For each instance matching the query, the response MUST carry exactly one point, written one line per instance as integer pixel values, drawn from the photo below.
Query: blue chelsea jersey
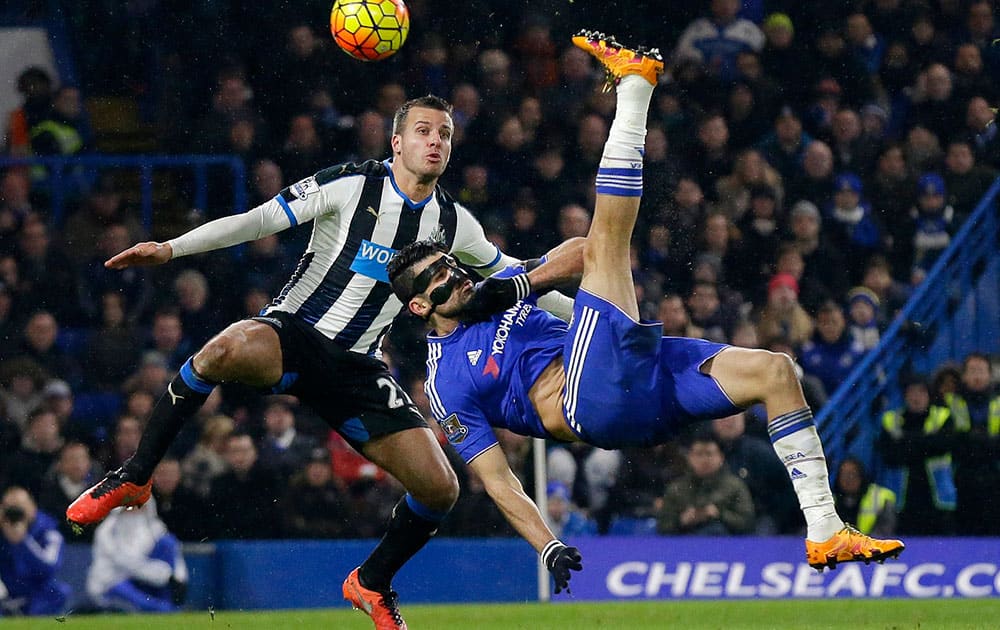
(478, 376)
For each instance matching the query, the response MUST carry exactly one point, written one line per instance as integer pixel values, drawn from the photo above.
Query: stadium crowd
(805, 164)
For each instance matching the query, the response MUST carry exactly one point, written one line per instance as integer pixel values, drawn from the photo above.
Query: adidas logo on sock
(798, 474)
(474, 356)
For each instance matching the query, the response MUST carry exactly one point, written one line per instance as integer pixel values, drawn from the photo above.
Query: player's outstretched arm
(141, 255)
(563, 265)
(521, 512)
(267, 218)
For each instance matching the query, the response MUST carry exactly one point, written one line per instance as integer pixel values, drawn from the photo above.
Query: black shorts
(354, 393)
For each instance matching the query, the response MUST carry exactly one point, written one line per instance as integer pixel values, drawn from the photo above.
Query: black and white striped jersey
(361, 219)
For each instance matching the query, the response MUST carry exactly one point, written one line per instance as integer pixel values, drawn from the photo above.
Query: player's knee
(778, 370)
(442, 492)
(217, 358)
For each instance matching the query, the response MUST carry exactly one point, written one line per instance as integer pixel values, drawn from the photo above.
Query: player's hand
(495, 295)
(141, 255)
(560, 560)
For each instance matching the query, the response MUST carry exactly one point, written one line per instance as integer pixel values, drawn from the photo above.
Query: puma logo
(373, 212)
(173, 397)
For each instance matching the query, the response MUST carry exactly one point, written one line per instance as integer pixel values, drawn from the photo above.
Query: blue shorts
(627, 385)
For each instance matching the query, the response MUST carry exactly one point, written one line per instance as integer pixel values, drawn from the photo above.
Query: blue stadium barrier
(59, 181)
(233, 575)
(954, 311)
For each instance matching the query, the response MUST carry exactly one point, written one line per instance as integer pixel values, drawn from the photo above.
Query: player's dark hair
(430, 102)
(400, 268)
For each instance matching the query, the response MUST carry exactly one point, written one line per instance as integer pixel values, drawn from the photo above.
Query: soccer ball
(369, 30)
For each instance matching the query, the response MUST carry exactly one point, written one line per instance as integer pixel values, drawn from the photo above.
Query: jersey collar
(409, 203)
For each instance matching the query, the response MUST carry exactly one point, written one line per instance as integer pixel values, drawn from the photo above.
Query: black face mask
(441, 293)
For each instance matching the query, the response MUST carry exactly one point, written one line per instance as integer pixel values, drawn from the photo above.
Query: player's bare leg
(752, 376)
(607, 269)
(415, 458)
(246, 352)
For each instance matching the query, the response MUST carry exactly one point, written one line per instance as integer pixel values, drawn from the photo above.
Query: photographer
(30, 552)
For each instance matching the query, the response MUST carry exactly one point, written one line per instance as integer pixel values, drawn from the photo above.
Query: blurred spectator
(833, 351)
(35, 85)
(891, 294)
(304, 64)
(785, 145)
(30, 555)
(47, 278)
(132, 285)
(812, 292)
(782, 55)
(935, 107)
(242, 498)
(675, 318)
(815, 181)
(752, 460)
(315, 504)
(852, 150)
(824, 265)
(864, 43)
(564, 518)
(710, 157)
(39, 450)
(975, 408)
(851, 225)
(970, 78)
(923, 149)
(85, 232)
(124, 441)
(574, 220)
(21, 388)
(891, 188)
(863, 316)
(708, 500)
(283, 449)
(180, 509)
(205, 462)
(984, 131)
(39, 345)
(965, 180)
(915, 444)
(138, 565)
(932, 223)
(372, 141)
(981, 29)
(167, 336)
(73, 473)
(15, 207)
(707, 313)
(575, 84)
(199, 316)
(760, 239)
(64, 131)
(749, 170)
(862, 502)
(57, 397)
(112, 349)
(715, 41)
(834, 60)
(151, 376)
(782, 315)
(232, 100)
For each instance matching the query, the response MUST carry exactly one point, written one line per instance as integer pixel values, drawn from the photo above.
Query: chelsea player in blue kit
(607, 379)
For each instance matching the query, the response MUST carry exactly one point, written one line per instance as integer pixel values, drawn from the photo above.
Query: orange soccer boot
(383, 608)
(850, 545)
(115, 490)
(619, 60)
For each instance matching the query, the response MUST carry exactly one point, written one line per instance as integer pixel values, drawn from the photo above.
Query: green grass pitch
(884, 614)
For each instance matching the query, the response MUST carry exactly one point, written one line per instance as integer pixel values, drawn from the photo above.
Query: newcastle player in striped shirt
(319, 338)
